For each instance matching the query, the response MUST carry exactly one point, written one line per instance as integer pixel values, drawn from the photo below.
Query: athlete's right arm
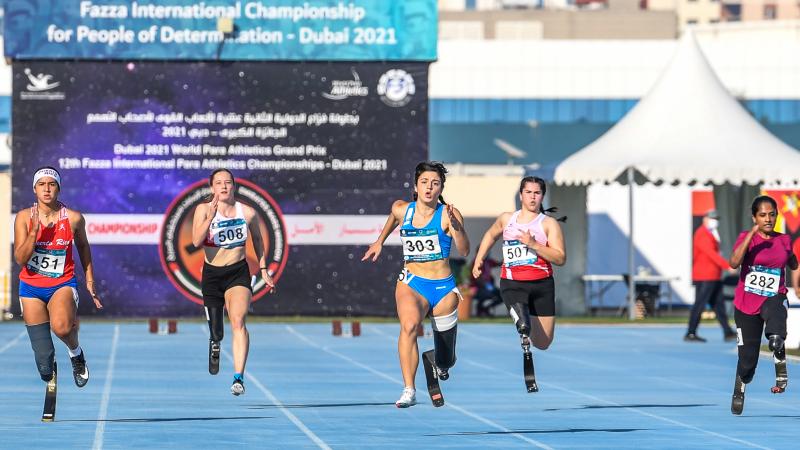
(489, 238)
(203, 215)
(374, 250)
(24, 239)
(740, 250)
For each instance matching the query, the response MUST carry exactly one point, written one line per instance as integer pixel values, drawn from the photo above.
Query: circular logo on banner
(183, 262)
(396, 87)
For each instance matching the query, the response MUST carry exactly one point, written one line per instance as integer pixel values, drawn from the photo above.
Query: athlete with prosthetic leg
(43, 245)
(221, 226)
(532, 242)
(760, 298)
(426, 286)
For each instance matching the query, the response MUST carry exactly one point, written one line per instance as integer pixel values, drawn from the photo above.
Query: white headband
(46, 172)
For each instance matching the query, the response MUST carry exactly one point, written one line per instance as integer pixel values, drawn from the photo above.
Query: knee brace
(522, 318)
(43, 350)
(216, 326)
(444, 339)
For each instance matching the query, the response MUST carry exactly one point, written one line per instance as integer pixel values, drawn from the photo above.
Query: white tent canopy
(687, 129)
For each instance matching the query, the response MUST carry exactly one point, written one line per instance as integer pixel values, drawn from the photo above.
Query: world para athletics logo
(183, 262)
(396, 87)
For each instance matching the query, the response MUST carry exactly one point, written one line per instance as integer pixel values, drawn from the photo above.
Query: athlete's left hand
(93, 292)
(528, 240)
(268, 279)
(450, 208)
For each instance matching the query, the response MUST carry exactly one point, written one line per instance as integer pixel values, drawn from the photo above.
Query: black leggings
(771, 319)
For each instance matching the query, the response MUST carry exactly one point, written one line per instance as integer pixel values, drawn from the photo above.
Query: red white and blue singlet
(51, 263)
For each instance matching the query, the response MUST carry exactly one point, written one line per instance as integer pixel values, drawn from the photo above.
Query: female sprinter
(221, 227)
(48, 295)
(426, 286)
(760, 298)
(532, 242)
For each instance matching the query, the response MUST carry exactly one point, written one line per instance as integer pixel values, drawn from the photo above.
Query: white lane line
(101, 416)
(297, 422)
(720, 391)
(631, 409)
(13, 342)
(396, 381)
(549, 355)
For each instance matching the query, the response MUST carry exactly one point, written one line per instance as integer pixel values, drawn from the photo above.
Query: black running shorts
(216, 280)
(539, 295)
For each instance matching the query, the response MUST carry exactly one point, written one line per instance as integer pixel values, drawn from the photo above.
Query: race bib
(764, 281)
(515, 253)
(49, 263)
(421, 245)
(229, 233)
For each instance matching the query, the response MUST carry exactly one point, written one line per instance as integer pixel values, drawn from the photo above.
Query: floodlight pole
(631, 262)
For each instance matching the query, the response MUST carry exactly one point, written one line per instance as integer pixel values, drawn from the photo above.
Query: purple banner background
(319, 280)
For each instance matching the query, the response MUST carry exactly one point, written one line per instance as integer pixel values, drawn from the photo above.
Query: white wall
(482, 196)
(753, 62)
(662, 234)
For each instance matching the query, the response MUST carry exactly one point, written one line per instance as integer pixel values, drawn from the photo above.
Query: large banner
(329, 30)
(320, 150)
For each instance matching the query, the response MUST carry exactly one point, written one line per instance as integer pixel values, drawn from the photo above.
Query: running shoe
(79, 370)
(237, 388)
(408, 398)
(691, 337)
(442, 374)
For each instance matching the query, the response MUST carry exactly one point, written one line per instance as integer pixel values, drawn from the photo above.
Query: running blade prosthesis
(781, 377)
(776, 344)
(527, 365)
(433, 382)
(49, 413)
(213, 357)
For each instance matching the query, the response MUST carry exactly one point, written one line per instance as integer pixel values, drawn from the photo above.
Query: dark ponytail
(543, 187)
(430, 166)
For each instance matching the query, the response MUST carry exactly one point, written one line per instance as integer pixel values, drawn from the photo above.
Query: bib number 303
(420, 245)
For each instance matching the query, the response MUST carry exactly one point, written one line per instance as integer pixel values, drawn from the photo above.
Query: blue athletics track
(601, 387)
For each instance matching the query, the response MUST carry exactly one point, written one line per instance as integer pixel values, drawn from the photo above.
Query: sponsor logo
(40, 87)
(396, 87)
(59, 242)
(183, 262)
(343, 89)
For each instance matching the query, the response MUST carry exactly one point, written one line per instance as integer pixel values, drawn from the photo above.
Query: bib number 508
(230, 235)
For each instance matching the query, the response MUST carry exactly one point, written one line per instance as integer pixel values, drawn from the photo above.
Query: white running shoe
(409, 398)
(237, 388)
